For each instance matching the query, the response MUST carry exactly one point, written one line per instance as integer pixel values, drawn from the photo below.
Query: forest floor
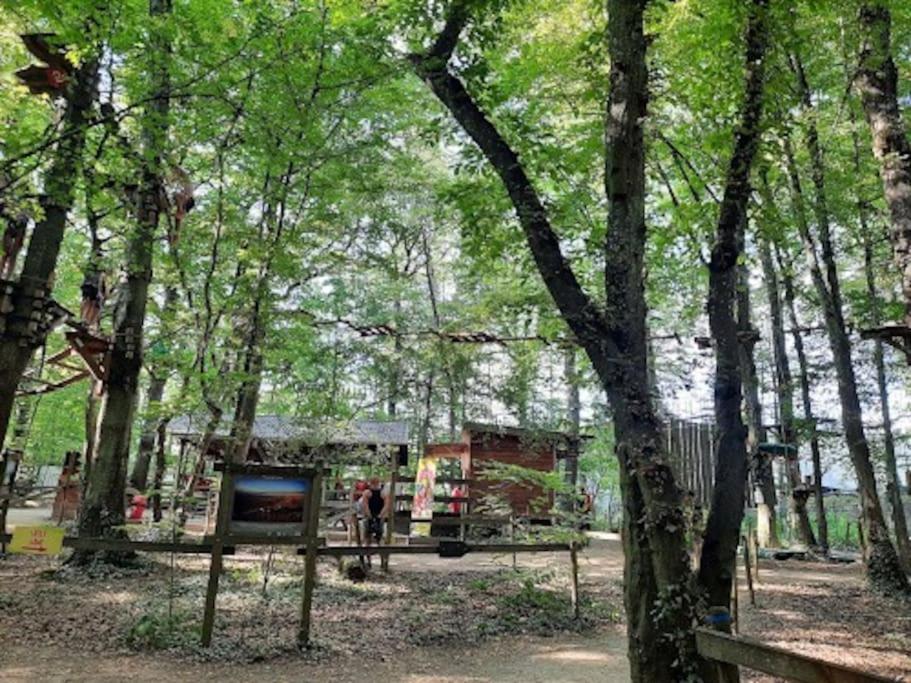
(455, 621)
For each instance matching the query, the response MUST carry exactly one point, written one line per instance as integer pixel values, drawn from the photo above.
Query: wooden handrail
(753, 654)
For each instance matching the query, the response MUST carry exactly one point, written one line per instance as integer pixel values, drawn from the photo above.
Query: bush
(158, 630)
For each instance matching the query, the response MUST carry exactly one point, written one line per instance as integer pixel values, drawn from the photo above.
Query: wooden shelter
(280, 439)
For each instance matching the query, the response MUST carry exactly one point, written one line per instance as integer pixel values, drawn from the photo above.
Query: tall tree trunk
(17, 340)
(438, 324)
(876, 80)
(103, 507)
(574, 419)
(573, 408)
(160, 467)
(658, 601)
(760, 463)
(822, 525)
(784, 384)
(139, 477)
(893, 483)
(248, 393)
(883, 567)
(722, 534)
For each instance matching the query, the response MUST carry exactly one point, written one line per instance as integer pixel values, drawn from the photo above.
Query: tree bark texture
(20, 336)
(876, 81)
(139, 476)
(722, 534)
(657, 593)
(883, 568)
(103, 506)
(893, 483)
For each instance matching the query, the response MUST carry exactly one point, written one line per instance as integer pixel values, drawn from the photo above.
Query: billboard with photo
(270, 505)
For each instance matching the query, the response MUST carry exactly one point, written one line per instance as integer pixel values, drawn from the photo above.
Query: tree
(102, 511)
(35, 283)
(876, 80)
(657, 572)
(722, 534)
(883, 568)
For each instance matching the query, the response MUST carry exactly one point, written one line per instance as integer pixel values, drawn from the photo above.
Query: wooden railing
(752, 654)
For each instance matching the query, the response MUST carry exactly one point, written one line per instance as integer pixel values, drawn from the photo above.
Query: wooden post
(303, 633)
(225, 496)
(574, 559)
(512, 536)
(735, 603)
(390, 516)
(754, 538)
(748, 569)
(719, 619)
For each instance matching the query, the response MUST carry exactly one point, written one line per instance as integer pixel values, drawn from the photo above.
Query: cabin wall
(510, 449)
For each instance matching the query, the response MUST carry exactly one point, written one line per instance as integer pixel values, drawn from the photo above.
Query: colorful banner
(422, 507)
(37, 540)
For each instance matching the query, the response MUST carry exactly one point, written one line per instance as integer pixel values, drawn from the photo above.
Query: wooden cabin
(482, 445)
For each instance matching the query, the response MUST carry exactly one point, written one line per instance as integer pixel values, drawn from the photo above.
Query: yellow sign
(37, 540)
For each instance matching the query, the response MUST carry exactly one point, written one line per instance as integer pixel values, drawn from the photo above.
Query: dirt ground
(455, 621)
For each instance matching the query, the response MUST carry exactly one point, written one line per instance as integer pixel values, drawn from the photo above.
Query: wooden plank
(433, 549)
(409, 479)
(125, 544)
(752, 654)
(469, 520)
(268, 470)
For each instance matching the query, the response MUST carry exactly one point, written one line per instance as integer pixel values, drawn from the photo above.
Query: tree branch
(577, 308)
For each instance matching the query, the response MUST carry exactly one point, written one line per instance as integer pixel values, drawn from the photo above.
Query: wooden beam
(91, 362)
(434, 549)
(60, 355)
(125, 544)
(752, 654)
(52, 386)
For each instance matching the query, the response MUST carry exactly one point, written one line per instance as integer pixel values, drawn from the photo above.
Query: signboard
(422, 506)
(270, 504)
(37, 540)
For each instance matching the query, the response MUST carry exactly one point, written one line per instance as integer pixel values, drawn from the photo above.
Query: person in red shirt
(456, 505)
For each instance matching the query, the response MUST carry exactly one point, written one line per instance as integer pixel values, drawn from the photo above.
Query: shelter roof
(281, 428)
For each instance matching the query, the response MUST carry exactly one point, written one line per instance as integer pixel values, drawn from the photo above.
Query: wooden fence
(791, 666)
(691, 448)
